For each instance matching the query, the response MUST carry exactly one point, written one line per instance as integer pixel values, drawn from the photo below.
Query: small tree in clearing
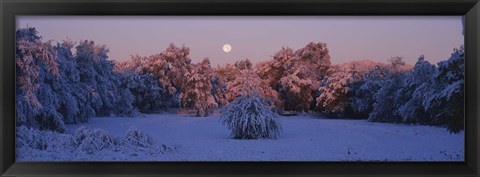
(249, 116)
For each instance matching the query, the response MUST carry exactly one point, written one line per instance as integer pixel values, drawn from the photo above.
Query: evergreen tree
(446, 102)
(105, 95)
(386, 99)
(384, 105)
(67, 85)
(416, 84)
(364, 97)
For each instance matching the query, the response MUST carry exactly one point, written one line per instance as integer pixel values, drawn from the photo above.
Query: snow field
(304, 138)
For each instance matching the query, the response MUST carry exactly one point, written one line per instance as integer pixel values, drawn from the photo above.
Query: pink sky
(257, 38)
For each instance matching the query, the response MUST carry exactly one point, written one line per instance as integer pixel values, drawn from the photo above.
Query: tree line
(69, 83)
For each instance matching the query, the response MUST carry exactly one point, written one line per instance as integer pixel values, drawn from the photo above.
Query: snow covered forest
(62, 87)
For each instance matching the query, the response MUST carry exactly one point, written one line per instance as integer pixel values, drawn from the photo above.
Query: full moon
(227, 48)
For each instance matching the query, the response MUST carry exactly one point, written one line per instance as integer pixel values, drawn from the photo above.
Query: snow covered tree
(269, 79)
(268, 73)
(363, 98)
(334, 91)
(218, 90)
(249, 116)
(58, 86)
(416, 84)
(296, 91)
(234, 76)
(283, 60)
(158, 66)
(289, 84)
(169, 67)
(178, 64)
(226, 73)
(150, 96)
(354, 72)
(315, 59)
(68, 87)
(197, 93)
(384, 105)
(356, 80)
(105, 95)
(36, 70)
(88, 75)
(446, 101)
(386, 99)
(222, 76)
(301, 74)
(244, 82)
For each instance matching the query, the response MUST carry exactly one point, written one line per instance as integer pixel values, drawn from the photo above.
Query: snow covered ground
(304, 138)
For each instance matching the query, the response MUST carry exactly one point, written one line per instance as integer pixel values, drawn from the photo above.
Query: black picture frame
(10, 8)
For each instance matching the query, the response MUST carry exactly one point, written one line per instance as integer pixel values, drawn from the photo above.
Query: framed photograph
(239, 88)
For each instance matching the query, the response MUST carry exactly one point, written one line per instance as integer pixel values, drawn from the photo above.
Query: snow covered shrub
(85, 144)
(91, 141)
(30, 139)
(136, 137)
(250, 117)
